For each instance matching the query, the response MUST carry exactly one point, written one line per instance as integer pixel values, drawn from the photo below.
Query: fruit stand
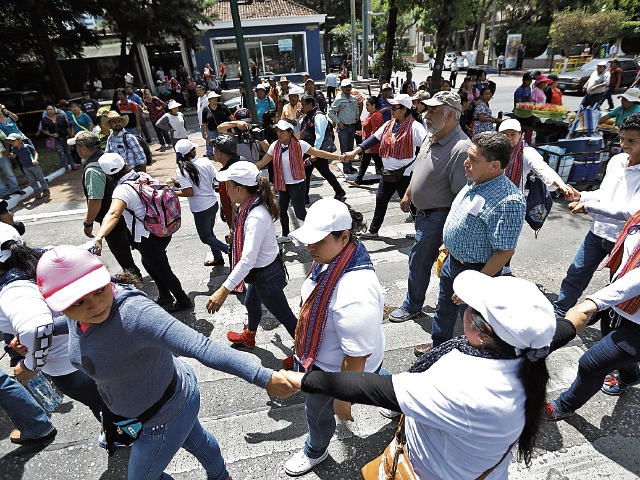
(547, 120)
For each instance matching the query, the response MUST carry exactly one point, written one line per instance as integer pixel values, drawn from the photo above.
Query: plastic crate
(585, 171)
(581, 147)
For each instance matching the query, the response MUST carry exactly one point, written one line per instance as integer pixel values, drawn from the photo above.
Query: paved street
(258, 433)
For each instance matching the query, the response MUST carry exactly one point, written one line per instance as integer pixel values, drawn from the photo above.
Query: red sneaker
(247, 338)
(288, 362)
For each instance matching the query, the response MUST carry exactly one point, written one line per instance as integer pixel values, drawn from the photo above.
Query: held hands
(98, 241)
(217, 299)
(22, 373)
(343, 410)
(572, 195)
(280, 386)
(581, 313)
(576, 207)
(457, 300)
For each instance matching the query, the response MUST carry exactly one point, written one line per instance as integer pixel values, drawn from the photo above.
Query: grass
(49, 163)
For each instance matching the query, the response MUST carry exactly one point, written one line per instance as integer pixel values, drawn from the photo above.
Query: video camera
(254, 134)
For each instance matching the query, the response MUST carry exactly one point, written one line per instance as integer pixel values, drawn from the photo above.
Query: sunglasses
(397, 107)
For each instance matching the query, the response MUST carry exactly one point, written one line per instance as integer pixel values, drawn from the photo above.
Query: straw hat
(105, 122)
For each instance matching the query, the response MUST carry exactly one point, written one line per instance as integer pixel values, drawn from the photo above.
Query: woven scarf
(314, 311)
(296, 163)
(461, 344)
(397, 145)
(514, 168)
(238, 233)
(614, 261)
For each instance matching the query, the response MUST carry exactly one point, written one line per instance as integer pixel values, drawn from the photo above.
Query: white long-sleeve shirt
(260, 246)
(532, 161)
(619, 191)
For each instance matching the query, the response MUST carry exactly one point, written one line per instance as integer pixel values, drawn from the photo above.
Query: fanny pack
(394, 175)
(125, 431)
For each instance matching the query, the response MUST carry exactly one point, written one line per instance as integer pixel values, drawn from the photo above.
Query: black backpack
(539, 203)
(143, 143)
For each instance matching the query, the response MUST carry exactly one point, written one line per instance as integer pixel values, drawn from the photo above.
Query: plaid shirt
(132, 152)
(496, 226)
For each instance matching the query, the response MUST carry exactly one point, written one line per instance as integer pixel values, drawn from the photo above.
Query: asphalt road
(258, 433)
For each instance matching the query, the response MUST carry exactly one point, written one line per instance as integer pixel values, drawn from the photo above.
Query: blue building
(281, 37)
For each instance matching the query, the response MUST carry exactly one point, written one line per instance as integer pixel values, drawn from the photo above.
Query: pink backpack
(161, 204)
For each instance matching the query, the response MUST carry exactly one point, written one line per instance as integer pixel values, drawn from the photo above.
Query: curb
(15, 199)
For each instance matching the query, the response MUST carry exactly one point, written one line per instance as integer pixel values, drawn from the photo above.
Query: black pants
(452, 79)
(331, 94)
(118, 241)
(322, 165)
(383, 196)
(364, 164)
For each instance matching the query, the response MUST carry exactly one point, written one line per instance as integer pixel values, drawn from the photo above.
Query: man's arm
(93, 207)
(497, 261)
(619, 78)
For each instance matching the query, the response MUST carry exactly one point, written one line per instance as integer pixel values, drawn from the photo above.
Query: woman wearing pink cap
(113, 327)
(538, 94)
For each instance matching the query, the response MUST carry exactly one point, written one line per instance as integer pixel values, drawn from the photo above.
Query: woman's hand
(55, 135)
(22, 373)
(573, 195)
(343, 410)
(17, 346)
(98, 241)
(280, 386)
(581, 313)
(217, 299)
(576, 207)
(294, 378)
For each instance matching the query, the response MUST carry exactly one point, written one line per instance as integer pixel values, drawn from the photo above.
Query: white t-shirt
(461, 427)
(286, 167)
(354, 321)
(260, 246)
(418, 134)
(23, 312)
(130, 196)
(620, 185)
(204, 196)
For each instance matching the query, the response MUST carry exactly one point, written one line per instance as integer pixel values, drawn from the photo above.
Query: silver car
(576, 79)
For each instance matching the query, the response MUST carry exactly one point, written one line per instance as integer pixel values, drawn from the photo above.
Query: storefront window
(274, 54)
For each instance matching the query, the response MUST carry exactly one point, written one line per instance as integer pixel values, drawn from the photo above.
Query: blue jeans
(156, 446)
(423, 254)
(321, 421)
(269, 290)
(212, 134)
(24, 412)
(153, 253)
(591, 252)
(294, 193)
(34, 176)
(384, 193)
(205, 221)
(592, 100)
(79, 386)
(444, 320)
(64, 152)
(5, 166)
(164, 137)
(346, 138)
(620, 350)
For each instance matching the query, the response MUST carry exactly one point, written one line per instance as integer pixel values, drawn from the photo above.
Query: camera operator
(240, 127)
(316, 130)
(225, 148)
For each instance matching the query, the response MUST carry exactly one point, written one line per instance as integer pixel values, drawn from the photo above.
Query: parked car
(448, 60)
(27, 105)
(576, 79)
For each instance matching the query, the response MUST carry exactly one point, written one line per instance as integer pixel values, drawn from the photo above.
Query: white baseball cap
(111, 163)
(402, 99)
(173, 104)
(284, 125)
(323, 217)
(243, 172)
(510, 124)
(8, 232)
(516, 309)
(346, 82)
(184, 146)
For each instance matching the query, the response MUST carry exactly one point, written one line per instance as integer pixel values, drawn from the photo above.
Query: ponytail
(185, 164)
(267, 197)
(357, 225)
(22, 257)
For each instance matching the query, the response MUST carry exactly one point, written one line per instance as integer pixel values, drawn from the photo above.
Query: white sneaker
(386, 413)
(284, 239)
(300, 464)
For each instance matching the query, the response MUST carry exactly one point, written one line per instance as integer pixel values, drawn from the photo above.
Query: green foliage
(342, 35)
(399, 64)
(340, 9)
(578, 26)
(535, 38)
(431, 51)
(630, 29)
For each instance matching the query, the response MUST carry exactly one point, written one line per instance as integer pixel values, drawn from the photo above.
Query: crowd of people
(460, 172)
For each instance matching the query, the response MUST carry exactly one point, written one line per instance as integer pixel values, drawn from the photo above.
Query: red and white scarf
(397, 145)
(296, 162)
(614, 261)
(514, 168)
(238, 233)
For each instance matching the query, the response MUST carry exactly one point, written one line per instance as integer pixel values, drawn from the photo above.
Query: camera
(255, 134)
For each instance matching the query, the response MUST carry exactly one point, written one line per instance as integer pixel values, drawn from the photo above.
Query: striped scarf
(614, 261)
(514, 168)
(314, 311)
(238, 233)
(295, 161)
(397, 145)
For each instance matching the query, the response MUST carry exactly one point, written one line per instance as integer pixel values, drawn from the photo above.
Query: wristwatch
(87, 224)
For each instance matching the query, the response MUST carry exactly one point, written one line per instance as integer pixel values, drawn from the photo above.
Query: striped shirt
(484, 218)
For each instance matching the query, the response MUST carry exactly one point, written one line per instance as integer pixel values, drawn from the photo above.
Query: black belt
(151, 412)
(429, 210)
(475, 266)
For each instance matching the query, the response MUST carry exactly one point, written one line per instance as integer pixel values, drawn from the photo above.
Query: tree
(342, 35)
(45, 31)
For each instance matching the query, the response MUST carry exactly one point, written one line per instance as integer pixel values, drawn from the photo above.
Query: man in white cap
(630, 104)
(213, 115)
(437, 178)
(344, 115)
(596, 86)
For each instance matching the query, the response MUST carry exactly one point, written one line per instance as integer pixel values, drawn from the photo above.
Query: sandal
(353, 183)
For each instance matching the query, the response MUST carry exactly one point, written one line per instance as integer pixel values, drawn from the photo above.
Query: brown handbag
(394, 463)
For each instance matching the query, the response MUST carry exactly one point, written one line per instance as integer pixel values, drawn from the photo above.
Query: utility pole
(354, 41)
(242, 54)
(365, 38)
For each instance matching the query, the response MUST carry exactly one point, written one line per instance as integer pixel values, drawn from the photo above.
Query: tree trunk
(123, 63)
(392, 25)
(48, 53)
(443, 25)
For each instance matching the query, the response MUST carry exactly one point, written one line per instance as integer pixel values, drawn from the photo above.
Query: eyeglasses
(633, 230)
(397, 107)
